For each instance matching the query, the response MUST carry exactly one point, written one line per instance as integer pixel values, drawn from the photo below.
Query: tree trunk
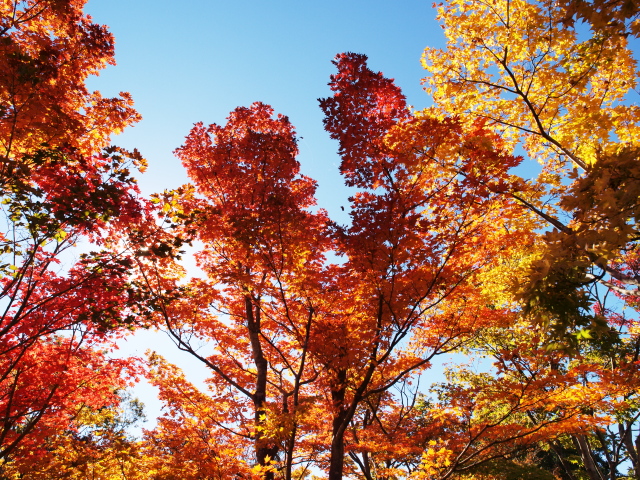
(583, 446)
(632, 448)
(557, 449)
(291, 441)
(336, 462)
(337, 459)
(364, 464)
(264, 451)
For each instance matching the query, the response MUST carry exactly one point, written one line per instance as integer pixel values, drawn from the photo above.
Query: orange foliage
(54, 320)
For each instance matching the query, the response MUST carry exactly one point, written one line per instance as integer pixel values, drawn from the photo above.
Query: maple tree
(97, 447)
(564, 99)
(55, 321)
(293, 341)
(257, 306)
(420, 232)
(316, 334)
(567, 408)
(559, 90)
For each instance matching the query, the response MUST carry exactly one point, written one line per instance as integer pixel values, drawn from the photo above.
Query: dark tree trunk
(336, 462)
(566, 465)
(264, 451)
(592, 469)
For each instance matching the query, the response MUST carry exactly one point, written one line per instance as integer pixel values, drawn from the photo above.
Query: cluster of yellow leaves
(95, 446)
(516, 64)
(561, 93)
(435, 460)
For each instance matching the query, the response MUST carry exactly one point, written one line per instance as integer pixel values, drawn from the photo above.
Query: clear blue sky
(196, 60)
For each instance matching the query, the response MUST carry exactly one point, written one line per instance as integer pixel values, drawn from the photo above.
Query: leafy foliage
(315, 363)
(60, 183)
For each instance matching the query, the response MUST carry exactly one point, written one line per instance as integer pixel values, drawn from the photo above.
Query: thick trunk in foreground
(633, 448)
(336, 462)
(264, 451)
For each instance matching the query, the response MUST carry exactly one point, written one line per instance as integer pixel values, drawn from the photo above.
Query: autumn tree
(525, 70)
(195, 437)
(420, 232)
(565, 407)
(554, 78)
(256, 308)
(296, 343)
(98, 444)
(60, 183)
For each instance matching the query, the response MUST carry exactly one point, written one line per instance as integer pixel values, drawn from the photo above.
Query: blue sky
(197, 60)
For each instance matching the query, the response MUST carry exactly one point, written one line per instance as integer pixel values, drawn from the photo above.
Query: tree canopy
(316, 334)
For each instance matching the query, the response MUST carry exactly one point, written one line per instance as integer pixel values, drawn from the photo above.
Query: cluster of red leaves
(57, 188)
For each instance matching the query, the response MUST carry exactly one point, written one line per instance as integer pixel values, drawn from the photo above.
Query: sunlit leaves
(60, 183)
(516, 64)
